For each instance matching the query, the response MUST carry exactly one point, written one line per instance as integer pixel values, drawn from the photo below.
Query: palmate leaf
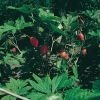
(42, 85)
(18, 86)
(59, 82)
(37, 87)
(37, 78)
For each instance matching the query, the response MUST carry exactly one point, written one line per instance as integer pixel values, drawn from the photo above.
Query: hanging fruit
(81, 37)
(43, 49)
(84, 51)
(13, 50)
(64, 54)
(34, 41)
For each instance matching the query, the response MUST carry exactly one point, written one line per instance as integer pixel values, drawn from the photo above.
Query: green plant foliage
(47, 86)
(8, 97)
(96, 85)
(13, 61)
(80, 94)
(56, 24)
(41, 86)
(16, 86)
(19, 24)
(56, 29)
(24, 9)
(52, 97)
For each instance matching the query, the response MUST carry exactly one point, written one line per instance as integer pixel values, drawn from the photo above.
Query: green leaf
(91, 32)
(7, 97)
(57, 82)
(24, 9)
(24, 90)
(80, 94)
(51, 18)
(43, 13)
(96, 85)
(13, 98)
(21, 24)
(35, 96)
(58, 64)
(43, 85)
(74, 19)
(37, 87)
(56, 29)
(52, 96)
(64, 65)
(18, 86)
(6, 27)
(75, 71)
(37, 78)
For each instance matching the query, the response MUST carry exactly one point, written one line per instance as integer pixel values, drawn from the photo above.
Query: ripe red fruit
(43, 49)
(64, 54)
(84, 51)
(13, 50)
(81, 37)
(34, 41)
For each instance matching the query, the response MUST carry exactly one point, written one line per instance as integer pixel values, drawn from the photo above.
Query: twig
(13, 94)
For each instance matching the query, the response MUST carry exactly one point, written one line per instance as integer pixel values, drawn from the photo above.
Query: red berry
(13, 50)
(66, 56)
(34, 41)
(81, 37)
(43, 49)
(63, 53)
(84, 51)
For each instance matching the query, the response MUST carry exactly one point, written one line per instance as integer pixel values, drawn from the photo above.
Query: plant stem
(13, 94)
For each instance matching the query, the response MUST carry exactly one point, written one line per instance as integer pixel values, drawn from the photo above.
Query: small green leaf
(75, 71)
(24, 90)
(51, 18)
(92, 33)
(52, 97)
(35, 96)
(58, 64)
(25, 8)
(37, 78)
(7, 97)
(56, 29)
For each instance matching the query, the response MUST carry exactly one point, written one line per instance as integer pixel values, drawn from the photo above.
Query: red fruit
(43, 49)
(66, 56)
(81, 37)
(34, 41)
(13, 50)
(84, 51)
(62, 53)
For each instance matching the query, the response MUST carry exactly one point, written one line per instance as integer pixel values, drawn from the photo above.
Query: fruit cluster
(44, 48)
(34, 42)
